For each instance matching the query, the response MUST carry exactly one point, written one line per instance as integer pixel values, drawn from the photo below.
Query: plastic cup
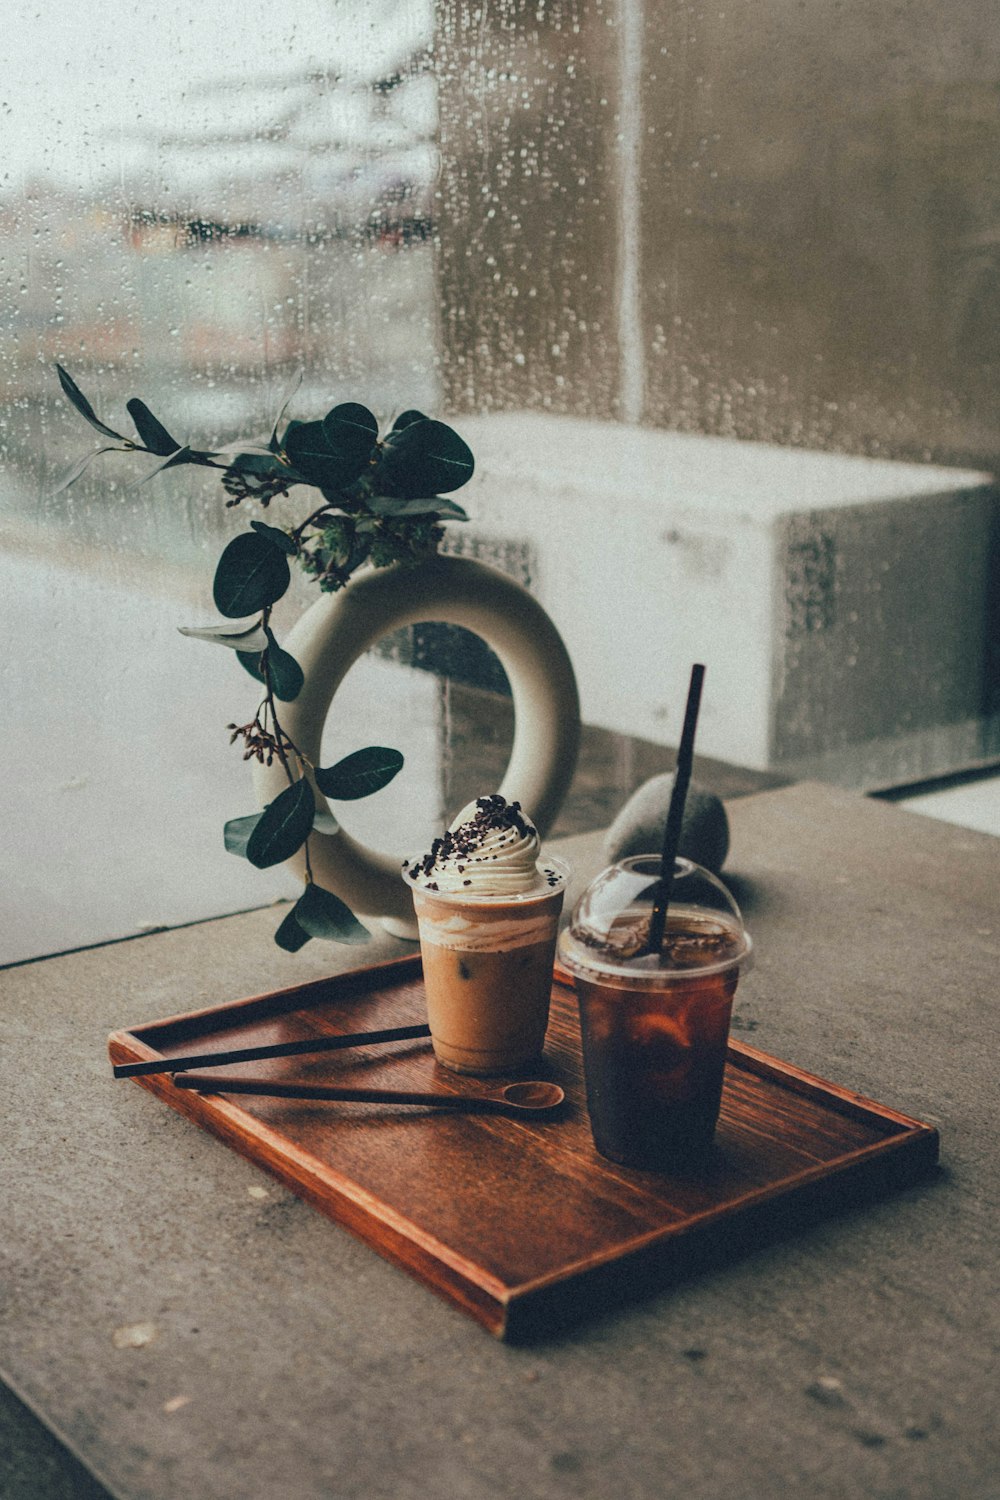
(655, 1026)
(488, 972)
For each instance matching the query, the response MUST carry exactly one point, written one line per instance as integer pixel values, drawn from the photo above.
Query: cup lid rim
(572, 956)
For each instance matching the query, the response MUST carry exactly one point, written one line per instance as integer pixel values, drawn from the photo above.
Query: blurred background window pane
(777, 222)
(195, 206)
(773, 221)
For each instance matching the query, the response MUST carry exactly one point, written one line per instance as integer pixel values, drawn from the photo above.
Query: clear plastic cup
(655, 1026)
(488, 966)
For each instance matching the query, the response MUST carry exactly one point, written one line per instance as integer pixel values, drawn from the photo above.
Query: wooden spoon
(534, 1097)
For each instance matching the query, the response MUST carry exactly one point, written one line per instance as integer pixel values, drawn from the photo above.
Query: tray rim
(484, 1296)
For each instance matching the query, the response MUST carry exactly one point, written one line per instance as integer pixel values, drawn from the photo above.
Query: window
(772, 223)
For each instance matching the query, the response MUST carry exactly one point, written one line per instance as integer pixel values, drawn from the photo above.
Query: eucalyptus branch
(382, 505)
(324, 510)
(281, 739)
(269, 703)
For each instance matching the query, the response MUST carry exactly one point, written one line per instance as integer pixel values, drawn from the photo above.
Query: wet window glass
(581, 230)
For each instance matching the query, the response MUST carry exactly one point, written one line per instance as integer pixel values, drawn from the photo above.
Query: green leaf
(250, 662)
(237, 833)
(309, 449)
(252, 574)
(228, 451)
(83, 406)
(180, 456)
(391, 505)
(423, 459)
(152, 432)
(186, 455)
(286, 675)
(351, 432)
(252, 640)
(274, 534)
(249, 459)
(284, 826)
(360, 774)
(84, 463)
(407, 418)
(323, 915)
(360, 548)
(290, 935)
(285, 403)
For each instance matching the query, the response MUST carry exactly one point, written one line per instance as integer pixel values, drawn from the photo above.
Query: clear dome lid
(609, 929)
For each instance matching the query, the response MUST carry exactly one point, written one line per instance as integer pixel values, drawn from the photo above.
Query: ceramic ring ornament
(340, 627)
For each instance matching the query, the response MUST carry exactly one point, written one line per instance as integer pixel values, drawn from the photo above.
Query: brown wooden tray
(519, 1222)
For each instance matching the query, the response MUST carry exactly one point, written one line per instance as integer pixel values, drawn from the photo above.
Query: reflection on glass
(808, 189)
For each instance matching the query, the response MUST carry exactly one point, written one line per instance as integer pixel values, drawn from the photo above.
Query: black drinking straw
(675, 813)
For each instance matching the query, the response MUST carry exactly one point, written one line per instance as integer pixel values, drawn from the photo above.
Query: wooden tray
(519, 1222)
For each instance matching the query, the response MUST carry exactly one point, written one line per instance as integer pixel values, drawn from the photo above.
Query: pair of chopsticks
(538, 1097)
(273, 1049)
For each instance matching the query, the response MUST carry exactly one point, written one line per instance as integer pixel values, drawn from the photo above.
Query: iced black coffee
(655, 1024)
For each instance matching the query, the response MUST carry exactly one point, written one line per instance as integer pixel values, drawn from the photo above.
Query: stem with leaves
(384, 501)
(281, 740)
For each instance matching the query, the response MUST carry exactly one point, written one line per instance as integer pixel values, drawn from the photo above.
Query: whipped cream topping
(491, 849)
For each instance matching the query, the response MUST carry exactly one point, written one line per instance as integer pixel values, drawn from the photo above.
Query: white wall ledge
(838, 602)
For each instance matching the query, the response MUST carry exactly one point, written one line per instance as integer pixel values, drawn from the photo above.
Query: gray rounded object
(638, 828)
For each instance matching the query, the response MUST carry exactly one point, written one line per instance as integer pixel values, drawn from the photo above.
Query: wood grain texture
(519, 1222)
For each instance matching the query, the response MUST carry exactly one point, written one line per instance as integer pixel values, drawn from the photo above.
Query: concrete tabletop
(190, 1328)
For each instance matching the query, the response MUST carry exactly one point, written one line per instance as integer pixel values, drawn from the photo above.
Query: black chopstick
(273, 1049)
(208, 1083)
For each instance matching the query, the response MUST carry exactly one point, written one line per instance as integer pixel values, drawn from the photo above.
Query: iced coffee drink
(655, 1024)
(487, 909)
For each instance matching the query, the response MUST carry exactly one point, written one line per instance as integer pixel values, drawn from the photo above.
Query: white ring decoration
(340, 627)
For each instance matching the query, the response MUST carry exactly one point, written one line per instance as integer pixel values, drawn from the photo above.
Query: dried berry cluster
(259, 743)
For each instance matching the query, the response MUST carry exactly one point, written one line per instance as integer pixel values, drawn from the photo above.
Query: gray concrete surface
(193, 1329)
